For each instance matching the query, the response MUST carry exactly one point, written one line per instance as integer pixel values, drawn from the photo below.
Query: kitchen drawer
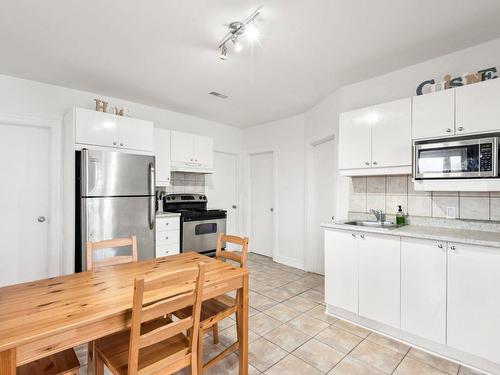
(167, 223)
(167, 237)
(165, 250)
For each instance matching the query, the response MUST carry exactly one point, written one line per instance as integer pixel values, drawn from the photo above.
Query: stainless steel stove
(200, 226)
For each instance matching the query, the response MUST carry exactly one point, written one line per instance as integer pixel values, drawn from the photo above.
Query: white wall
(24, 97)
(286, 138)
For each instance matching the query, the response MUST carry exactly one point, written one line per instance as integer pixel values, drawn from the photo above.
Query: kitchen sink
(372, 224)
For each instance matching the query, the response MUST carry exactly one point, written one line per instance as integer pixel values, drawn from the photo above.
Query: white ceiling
(163, 53)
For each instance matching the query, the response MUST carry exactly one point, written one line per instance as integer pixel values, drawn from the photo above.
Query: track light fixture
(237, 29)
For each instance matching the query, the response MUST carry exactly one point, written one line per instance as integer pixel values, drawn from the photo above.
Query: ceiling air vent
(218, 95)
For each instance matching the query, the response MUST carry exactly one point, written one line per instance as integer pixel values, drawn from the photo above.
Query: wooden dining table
(43, 317)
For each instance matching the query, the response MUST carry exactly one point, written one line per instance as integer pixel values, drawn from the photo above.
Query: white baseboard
(292, 262)
(440, 350)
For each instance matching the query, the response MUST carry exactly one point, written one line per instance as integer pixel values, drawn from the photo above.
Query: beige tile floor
(291, 334)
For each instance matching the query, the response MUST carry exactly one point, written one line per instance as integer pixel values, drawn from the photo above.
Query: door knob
(41, 219)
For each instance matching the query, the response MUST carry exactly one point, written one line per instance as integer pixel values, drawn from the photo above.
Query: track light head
(223, 52)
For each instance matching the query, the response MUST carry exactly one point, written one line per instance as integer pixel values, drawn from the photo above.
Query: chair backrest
(106, 244)
(154, 299)
(240, 258)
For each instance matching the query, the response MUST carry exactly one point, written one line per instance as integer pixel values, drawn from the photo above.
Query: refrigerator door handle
(152, 198)
(85, 172)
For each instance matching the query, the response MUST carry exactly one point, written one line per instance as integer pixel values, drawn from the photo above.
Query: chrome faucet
(379, 215)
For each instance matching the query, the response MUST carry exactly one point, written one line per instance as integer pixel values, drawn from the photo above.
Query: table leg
(8, 362)
(243, 345)
(90, 358)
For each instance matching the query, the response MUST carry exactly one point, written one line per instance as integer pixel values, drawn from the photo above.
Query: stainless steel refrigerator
(115, 197)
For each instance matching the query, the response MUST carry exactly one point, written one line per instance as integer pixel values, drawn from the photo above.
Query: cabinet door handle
(121, 144)
(352, 234)
(167, 223)
(367, 163)
(448, 130)
(440, 246)
(375, 163)
(114, 143)
(460, 128)
(362, 236)
(453, 248)
(166, 238)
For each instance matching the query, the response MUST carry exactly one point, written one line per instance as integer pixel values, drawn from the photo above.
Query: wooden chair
(155, 344)
(93, 265)
(62, 363)
(218, 308)
(119, 259)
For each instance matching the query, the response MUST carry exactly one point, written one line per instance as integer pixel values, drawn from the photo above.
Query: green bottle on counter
(400, 217)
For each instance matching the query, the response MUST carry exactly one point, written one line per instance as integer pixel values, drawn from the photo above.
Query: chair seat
(211, 308)
(56, 364)
(114, 349)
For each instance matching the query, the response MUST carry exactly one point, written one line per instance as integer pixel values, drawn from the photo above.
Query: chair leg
(215, 333)
(99, 364)
(193, 369)
(90, 358)
(200, 351)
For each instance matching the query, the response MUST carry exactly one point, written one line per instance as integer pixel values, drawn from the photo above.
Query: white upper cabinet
(473, 303)
(423, 288)
(379, 278)
(105, 129)
(478, 107)
(162, 156)
(182, 149)
(391, 134)
(96, 128)
(203, 150)
(355, 138)
(341, 270)
(434, 115)
(377, 137)
(135, 134)
(190, 151)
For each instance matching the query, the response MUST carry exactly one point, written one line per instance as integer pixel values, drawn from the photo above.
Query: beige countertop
(466, 236)
(167, 214)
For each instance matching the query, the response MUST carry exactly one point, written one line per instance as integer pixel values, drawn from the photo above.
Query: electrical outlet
(451, 212)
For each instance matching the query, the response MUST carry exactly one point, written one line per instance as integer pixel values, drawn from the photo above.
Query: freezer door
(106, 173)
(115, 217)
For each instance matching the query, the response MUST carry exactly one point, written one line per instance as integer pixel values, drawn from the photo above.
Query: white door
(162, 156)
(473, 303)
(423, 288)
(203, 150)
(379, 278)
(322, 200)
(341, 270)
(355, 139)
(96, 128)
(477, 107)
(261, 203)
(433, 114)
(136, 134)
(24, 199)
(182, 147)
(391, 134)
(222, 189)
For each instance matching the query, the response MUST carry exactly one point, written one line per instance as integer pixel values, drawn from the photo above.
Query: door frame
(309, 253)
(53, 125)
(248, 204)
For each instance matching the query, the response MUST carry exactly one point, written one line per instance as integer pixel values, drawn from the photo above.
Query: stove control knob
(168, 198)
(204, 198)
(173, 198)
(201, 197)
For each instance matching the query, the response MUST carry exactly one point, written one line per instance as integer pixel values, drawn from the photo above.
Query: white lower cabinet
(379, 278)
(167, 236)
(423, 288)
(341, 270)
(473, 300)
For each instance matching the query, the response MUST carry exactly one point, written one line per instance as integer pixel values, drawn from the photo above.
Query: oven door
(201, 235)
(471, 158)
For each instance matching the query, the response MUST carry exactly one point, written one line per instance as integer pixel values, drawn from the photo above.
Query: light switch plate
(451, 212)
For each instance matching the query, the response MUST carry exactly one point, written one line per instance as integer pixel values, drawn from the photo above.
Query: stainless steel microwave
(456, 158)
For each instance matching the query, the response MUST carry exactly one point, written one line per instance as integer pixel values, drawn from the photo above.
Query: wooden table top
(31, 311)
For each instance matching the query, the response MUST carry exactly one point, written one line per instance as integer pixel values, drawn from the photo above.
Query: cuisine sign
(448, 82)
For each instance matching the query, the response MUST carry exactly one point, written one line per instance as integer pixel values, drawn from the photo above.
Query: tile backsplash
(387, 192)
(184, 182)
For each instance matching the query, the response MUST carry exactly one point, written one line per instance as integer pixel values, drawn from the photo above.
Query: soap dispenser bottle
(400, 217)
